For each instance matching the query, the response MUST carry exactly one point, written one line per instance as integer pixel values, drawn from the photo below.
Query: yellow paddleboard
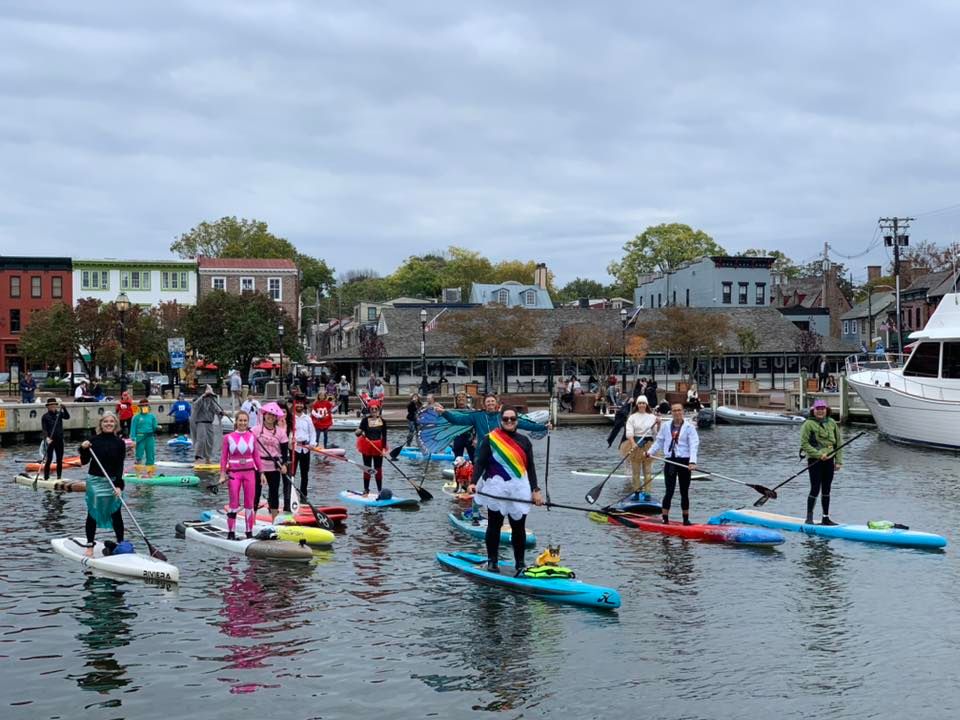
(309, 535)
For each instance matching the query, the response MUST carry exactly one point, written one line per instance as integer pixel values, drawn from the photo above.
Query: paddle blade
(761, 501)
(155, 552)
(593, 494)
(424, 494)
(767, 493)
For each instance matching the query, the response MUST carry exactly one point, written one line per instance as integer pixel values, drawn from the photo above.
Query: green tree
(517, 328)
(749, 344)
(230, 237)
(663, 248)
(814, 268)
(520, 270)
(686, 332)
(49, 337)
(781, 263)
(96, 331)
(232, 331)
(582, 288)
(419, 276)
(463, 268)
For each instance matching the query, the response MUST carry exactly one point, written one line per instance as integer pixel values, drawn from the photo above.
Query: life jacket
(548, 572)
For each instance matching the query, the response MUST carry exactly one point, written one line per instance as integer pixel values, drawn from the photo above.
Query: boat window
(925, 361)
(951, 360)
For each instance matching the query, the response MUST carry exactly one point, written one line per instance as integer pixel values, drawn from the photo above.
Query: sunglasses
(512, 418)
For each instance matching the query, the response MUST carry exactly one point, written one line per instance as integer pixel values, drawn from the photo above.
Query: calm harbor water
(812, 629)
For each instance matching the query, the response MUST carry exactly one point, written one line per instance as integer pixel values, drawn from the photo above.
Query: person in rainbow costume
(505, 482)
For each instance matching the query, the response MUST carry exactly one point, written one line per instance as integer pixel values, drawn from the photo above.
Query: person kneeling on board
(679, 442)
(504, 468)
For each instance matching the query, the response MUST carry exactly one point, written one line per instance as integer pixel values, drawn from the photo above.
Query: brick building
(28, 284)
(276, 278)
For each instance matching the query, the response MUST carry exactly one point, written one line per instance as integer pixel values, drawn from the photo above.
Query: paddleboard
(480, 531)
(206, 467)
(643, 503)
(134, 565)
(266, 549)
(174, 464)
(730, 534)
(286, 533)
(695, 475)
(415, 454)
(72, 461)
(176, 480)
(562, 590)
(180, 441)
(342, 423)
(370, 500)
(861, 533)
(336, 513)
(64, 485)
(450, 488)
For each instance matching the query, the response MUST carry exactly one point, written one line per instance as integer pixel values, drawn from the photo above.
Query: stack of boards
(287, 533)
(133, 565)
(64, 485)
(206, 533)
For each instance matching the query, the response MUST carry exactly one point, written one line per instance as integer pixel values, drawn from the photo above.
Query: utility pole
(896, 238)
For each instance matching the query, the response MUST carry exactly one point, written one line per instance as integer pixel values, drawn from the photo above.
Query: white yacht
(918, 403)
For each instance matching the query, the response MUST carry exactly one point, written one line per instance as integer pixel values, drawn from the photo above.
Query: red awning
(266, 365)
(202, 365)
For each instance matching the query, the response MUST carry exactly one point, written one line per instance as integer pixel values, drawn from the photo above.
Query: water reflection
(678, 565)
(369, 554)
(104, 611)
(51, 518)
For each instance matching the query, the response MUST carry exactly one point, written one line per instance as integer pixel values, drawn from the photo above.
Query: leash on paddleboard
(767, 493)
(763, 501)
(154, 552)
(593, 494)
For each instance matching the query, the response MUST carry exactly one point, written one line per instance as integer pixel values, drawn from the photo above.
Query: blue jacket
(180, 411)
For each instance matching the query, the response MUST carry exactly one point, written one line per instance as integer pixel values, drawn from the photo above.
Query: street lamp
(123, 304)
(424, 384)
(280, 333)
(722, 370)
(623, 349)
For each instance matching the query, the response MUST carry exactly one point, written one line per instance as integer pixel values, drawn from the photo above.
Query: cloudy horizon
(367, 132)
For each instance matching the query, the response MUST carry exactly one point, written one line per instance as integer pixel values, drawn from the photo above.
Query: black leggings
(303, 465)
(116, 519)
(125, 427)
(518, 538)
(55, 447)
(821, 480)
(344, 404)
(273, 491)
(375, 462)
(464, 442)
(672, 473)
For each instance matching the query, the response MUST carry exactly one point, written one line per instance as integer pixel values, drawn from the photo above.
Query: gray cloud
(365, 132)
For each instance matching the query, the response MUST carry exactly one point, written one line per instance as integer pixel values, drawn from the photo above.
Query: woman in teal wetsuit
(487, 420)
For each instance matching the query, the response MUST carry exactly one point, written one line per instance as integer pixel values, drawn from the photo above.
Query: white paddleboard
(129, 564)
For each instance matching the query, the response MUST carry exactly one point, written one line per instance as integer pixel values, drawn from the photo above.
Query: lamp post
(623, 349)
(722, 370)
(424, 384)
(123, 304)
(280, 333)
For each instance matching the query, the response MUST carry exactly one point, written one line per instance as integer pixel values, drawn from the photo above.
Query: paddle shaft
(763, 501)
(154, 552)
(593, 494)
(44, 449)
(546, 475)
(321, 518)
(765, 491)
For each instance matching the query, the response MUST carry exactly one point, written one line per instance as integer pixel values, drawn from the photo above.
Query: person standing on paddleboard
(240, 468)
(680, 443)
(487, 420)
(321, 413)
(304, 438)
(641, 427)
(820, 440)
(125, 412)
(274, 447)
(206, 409)
(504, 468)
(144, 430)
(103, 501)
(52, 425)
(180, 411)
(372, 444)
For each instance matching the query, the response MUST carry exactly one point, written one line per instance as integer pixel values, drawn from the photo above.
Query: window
(530, 297)
(688, 297)
(659, 300)
(846, 327)
(274, 289)
(56, 287)
(742, 289)
(94, 280)
(951, 360)
(651, 301)
(503, 296)
(174, 280)
(15, 286)
(135, 280)
(15, 321)
(674, 297)
(36, 286)
(371, 313)
(919, 324)
(218, 283)
(727, 297)
(854, 327)
(761, 298)
(925, 361)
(247, 285)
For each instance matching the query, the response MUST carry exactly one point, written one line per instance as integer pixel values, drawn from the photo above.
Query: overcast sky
(553, 131)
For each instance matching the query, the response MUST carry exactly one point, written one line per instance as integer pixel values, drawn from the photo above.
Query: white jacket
(641, 425)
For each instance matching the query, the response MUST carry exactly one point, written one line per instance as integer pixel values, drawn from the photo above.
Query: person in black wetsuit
(413, 424)
(504, 469)
(465, 442)
(103, 501)
(372, 444)
(52, 425)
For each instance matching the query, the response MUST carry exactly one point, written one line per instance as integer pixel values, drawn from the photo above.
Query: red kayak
(732, 534)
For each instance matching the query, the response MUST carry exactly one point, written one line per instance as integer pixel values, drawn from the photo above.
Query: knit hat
(144, 401)
(642, 400)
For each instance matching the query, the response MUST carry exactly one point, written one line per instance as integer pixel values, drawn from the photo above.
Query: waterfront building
(710, 282)
(28, 284)
(870, 319)
(145, 282)
(277, 278)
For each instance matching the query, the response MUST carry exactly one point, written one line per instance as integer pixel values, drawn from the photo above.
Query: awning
(266, 365)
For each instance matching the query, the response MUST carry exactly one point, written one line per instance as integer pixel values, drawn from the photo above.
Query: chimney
(873, 273)
(540, 276)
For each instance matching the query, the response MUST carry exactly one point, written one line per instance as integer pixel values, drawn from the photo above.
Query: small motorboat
(740, 416)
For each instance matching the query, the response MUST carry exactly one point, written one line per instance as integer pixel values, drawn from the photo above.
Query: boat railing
(927, 388)
(873, 361)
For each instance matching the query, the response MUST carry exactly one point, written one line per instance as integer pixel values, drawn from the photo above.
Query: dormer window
(503, 296)
(530, 297)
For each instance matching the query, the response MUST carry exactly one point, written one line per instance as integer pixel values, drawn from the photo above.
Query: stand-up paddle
(154, 552)
(593, 494)
(767, 493)
(321, 518)
(424, 494)
(44, 449)
(546, 475)
(763, 501)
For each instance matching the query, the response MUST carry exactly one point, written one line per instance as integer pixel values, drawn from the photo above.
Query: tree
(582, 288)
(96, 331)
(661, 247)
(585, 343)
(814, 268)
(230, 237)
(232, 331)
(493, 332)
(49, 337)
(781, 263)
(463, 268)
(372, 350)
(520, 271)
(929, 256)
(749, 344)
(808, 345)
(686, 332)
(419, 276)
